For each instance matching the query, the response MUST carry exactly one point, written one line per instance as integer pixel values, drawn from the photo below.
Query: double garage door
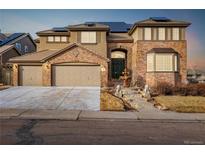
(62, 75)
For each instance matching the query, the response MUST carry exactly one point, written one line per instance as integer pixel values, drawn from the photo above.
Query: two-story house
(96, 53)
(12, 45)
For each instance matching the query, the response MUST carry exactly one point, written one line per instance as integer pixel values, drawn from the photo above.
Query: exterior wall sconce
(102, 68)
(47, 65)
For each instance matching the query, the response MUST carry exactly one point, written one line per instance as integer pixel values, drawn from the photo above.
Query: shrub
(164, 88)
(183, 90)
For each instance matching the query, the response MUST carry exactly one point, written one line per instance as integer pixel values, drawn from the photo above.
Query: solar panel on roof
(10, 38)
(160, 19)
(60, 29)
(116, 26)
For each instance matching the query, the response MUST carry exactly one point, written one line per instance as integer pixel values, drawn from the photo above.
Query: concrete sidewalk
(98, 115)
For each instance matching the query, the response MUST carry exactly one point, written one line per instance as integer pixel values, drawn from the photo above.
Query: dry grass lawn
(194, 104)
(109, 102)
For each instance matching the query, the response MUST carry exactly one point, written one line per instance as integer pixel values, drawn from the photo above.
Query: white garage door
(76, 75)
(30, 75)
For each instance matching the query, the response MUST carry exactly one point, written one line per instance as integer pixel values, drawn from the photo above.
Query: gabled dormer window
(88, 37)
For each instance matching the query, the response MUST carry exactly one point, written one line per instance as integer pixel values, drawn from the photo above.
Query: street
(19, 131)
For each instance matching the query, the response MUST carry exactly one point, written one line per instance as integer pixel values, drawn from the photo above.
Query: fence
(6, 74)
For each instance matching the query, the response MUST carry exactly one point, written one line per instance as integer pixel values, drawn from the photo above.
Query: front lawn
(194, 104)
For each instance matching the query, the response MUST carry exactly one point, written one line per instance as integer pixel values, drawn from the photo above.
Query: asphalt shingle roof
(10, 38)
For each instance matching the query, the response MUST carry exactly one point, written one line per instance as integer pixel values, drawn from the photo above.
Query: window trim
(48, 39)
(57, 41)
(173, 34)
(175, 64)
(88, 42)
(158, 30)
(145, 34)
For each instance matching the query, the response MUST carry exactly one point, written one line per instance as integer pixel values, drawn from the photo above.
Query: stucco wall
(100, 47)
(44, 44)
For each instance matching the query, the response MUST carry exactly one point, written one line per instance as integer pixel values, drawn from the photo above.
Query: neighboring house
(195, 76)
(22, 41)
(96, 53)
(12, 45)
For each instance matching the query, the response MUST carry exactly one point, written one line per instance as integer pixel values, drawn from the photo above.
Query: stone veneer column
(46, 74)
(104, 75)
(15, 74)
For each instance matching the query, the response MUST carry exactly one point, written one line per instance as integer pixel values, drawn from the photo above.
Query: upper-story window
(50, 38)
(175, 33)
(25, 48)
(147, 33)
(57, 38)
(63, 39)
(18, 46)
(161, 33)
(88, 37)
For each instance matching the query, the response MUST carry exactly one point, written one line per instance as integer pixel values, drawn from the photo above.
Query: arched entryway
(118, 62)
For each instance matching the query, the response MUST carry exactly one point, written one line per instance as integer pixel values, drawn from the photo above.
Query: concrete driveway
(57, 98)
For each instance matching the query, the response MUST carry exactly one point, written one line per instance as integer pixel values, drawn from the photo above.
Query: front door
(118, 66)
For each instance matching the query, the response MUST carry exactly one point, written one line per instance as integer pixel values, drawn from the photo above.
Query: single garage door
(30, 75)
(76, 75)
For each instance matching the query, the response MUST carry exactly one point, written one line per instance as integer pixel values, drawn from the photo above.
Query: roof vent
(90, 24)
(59, 29)
(160, 19)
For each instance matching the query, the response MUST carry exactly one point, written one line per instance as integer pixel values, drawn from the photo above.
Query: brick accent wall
(76, 55)
(153, 79)
(142, 47)
(15, 74)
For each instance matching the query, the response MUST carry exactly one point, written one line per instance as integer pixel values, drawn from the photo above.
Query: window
(150, 62)
(26, 48)
(161, 33)
(88, 37)
(57, 39)
(63, 39)
(50, 39)
(175, 34)
(147, 33)
(162, 62)
(18, 46)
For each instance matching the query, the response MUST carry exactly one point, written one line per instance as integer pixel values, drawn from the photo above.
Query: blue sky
(35, 20)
